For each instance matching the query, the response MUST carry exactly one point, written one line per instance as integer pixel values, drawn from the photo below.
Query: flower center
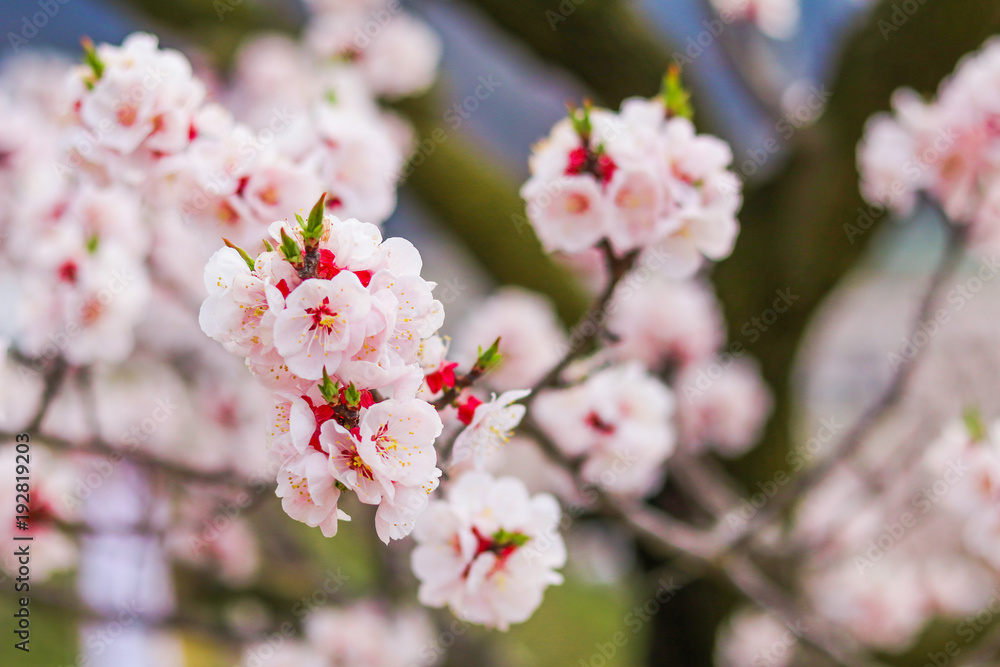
(597, 163)
(595, 422)
(323, 316)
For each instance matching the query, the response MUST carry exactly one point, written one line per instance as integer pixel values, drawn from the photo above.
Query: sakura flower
(728, 414)
(884, 609)
(388, 461)
(634, 179)
(141, 95)
(399, 60)
(397, 440)
(618, 421)
(322, 323)
(491, 426)
(945, 148)
(307, 489)
(236, 312)
(489, 551)
(751, 637)
(664, 322)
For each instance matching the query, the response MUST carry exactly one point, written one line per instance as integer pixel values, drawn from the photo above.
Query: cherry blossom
(490, 427)
(944, 147)
(489, 551)
(635, 178)
(619, 421)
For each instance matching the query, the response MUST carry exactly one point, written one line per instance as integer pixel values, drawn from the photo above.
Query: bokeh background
(460, 205)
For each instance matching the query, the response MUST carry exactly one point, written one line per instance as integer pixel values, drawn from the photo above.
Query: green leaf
(675, 98)
(352, 395)
(290, 249)
(268, 246)
(974, 423)
(504, 539)
(329, 389)
(490, 358)
(313, 229)
(91, 58)
(243, 253)
(580, 118)
(92, 243)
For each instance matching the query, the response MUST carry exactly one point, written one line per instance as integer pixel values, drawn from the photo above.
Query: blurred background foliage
(465, 190)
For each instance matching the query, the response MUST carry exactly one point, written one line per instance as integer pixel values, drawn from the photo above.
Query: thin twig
(178, 471)
(618, 268)
(951, 258)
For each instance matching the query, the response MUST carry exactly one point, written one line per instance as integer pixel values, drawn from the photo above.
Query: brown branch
(951, 258)
(461, 382)
(179, 471)
(618, 268)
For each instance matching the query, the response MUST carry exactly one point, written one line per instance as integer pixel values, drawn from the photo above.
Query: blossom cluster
(884, 563)
(617, 411)
(341, 327)
(637, 178)
(489, 551)
(944, 148)
(329, 321)
(118, 177)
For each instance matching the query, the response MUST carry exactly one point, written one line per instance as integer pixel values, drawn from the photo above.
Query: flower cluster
(394, 53)
(884, 564)
(489, 551)
(619, 420)
(945, 148)
(332, 322)
(637, 178)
